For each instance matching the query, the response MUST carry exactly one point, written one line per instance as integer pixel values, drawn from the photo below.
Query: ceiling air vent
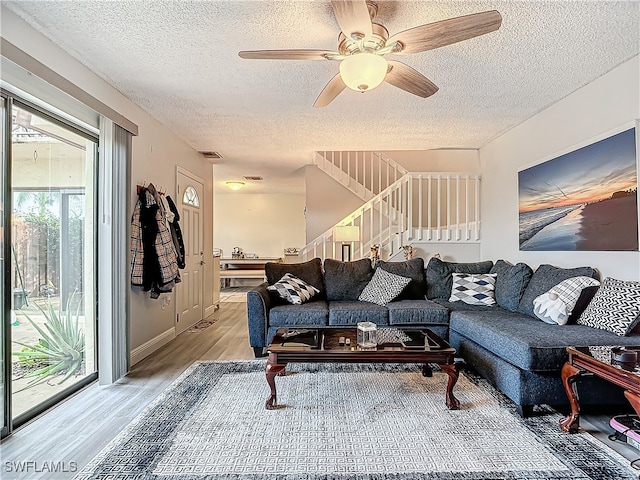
(253, 177)
(210, 154)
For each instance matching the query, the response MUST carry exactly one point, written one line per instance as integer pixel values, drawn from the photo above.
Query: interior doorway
(190, 195)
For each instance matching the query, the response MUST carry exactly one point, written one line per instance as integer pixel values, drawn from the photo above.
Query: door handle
(202, 262)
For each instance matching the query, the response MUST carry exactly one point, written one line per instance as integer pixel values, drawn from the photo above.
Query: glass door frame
(5, 316)
(10, 100)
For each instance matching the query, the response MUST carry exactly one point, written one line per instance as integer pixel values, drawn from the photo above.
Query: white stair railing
(366, 174)
(419, 207)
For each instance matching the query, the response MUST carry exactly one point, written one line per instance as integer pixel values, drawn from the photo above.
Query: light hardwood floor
(72, 433)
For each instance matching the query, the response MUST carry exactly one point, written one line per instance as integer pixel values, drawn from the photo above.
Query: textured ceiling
(178, 60)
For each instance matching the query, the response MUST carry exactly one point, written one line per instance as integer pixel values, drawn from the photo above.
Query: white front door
(190, 203)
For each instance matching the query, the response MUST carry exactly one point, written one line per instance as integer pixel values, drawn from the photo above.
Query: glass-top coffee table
(329, 345)
(618, 365)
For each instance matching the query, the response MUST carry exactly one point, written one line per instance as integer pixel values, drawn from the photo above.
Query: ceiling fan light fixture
(363, 71)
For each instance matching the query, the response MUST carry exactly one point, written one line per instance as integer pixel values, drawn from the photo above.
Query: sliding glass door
(52, 285)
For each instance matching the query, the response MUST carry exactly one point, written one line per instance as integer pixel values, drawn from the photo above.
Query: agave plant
(60, 348)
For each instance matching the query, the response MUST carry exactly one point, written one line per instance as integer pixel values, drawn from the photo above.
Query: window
(190, 197)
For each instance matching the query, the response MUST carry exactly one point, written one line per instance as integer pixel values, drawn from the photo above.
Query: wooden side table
(596, 360)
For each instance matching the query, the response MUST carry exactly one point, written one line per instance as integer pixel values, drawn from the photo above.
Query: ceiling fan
(363, 43)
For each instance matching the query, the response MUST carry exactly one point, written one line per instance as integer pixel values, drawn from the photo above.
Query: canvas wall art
(583, 200)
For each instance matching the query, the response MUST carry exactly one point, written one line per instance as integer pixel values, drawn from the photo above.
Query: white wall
(156, 153)
(606, 104)
(327, 202)
(264, 224)
(446, 160)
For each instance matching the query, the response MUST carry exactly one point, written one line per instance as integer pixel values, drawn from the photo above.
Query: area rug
(201, 326)
(364, 422)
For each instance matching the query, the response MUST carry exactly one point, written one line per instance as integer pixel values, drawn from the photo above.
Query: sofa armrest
(258, 306)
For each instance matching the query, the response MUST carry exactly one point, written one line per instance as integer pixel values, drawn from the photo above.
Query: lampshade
(346, 233)
(235, 185)
(363, 71)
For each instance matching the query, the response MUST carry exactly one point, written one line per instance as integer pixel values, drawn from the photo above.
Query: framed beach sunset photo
(583, 200)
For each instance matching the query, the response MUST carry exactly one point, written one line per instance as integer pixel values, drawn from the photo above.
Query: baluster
(420, 224)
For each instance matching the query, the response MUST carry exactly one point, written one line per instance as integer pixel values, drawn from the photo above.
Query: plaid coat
(154, 264)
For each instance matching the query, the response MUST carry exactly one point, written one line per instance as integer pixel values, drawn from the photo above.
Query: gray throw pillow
(346, 280)
(310, 272)
(413, 269)
(439, 279)
(546, 277)
(511, 283)
(383, 287)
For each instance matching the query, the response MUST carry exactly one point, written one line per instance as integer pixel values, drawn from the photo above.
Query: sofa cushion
(545, 277)
(463, 307)
(413, 269)
(438, 275)
(615, 307)
(474, 289)
(293, 290)
(315, 313)
(383, 287)
(346, 280)
(511, 282)
(417, 312)
(526, 342)
(310, 272)
(352, 312)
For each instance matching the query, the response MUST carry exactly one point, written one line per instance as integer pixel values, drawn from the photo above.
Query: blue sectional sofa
(506, 343)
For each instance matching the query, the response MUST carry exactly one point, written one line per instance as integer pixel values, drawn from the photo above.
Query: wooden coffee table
(598, 361)
(323, 346)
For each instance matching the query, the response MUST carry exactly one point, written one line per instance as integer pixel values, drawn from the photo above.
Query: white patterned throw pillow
(474, 289)
(383, 287)
(556, 305)
(615, 307)
(293, 289)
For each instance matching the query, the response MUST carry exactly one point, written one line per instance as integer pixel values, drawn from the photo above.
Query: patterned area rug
(365, 422)
(202, 325)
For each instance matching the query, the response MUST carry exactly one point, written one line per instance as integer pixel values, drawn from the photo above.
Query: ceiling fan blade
(353, 17)
(330, 92)
(446, 32)
(410, 80)
(287, 54)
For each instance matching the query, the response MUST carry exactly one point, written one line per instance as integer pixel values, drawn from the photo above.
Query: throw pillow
(474, 289)
(511, 282)
(293, 290)
(615, 307)
(583, 302)
(413, 269)
(556, 305)
(383, 287)
(438, 274)
(346, 280)
(543, 279)
(310, 272)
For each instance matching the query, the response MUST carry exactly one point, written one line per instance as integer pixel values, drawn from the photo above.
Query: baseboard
(209, 310)
(152, 345)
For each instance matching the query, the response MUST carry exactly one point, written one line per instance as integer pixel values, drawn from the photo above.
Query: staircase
(366, 174)
(401, 208)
